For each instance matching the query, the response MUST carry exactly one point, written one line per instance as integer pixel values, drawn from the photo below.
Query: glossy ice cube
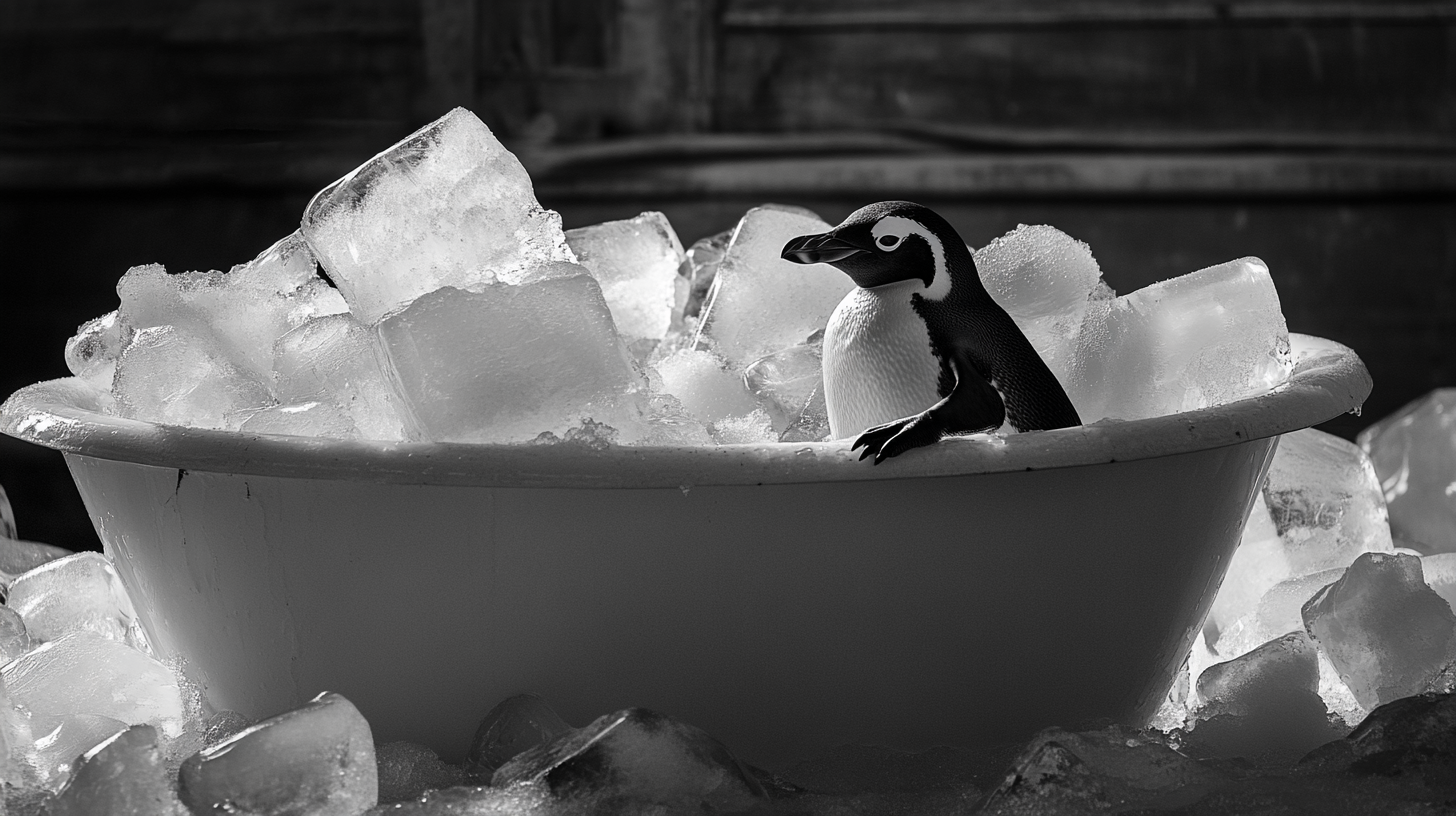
(811, 424)
(1414, 454)
(1206, 338)
(705, 385)
(80, 592)
(1326, 502)
(302, 419)
(91, 354)
(85, 673)
(317, 760)
(14, 639)
(785, 381)
(123, 776)
(511, 362)
(1254, 680)
(1385, 631)
(1440, 574)
(1045, 280)
(697, 273)
(636, 261)
(1278, 611)
(516, 724)
(59, 740)
(174, 376)
(447, 206)
(761, 303)
(336, 360)
(1257, 565)
(19, 557)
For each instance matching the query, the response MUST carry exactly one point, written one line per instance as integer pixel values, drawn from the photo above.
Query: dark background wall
(1168, 134)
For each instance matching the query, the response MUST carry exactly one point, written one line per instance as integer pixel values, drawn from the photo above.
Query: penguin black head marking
(884, 243)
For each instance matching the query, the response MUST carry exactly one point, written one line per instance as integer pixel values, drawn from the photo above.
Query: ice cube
(1206, 338)
(1326, 501)
(244, 310)
(408, 769)
(1045, 280)
(761, 303)
(172, 376)
(1257, 565)
(122, 776)
(516, 724)
(447, 206)
(335, 359)
(785, 380)
(705, 385)
(91, 354)
(1248, 682)
(698, 271)
(1414, 455)
(302, 419)
(636, 262)
(1440, 574)
(14, 639)
(1385, 631)
(812, 423)
(84, 673)
(1278, 611)
(641, 757)
(7, 516)
(19, 557)
(317, 759)
(510, 362)
(80, 592)
(60, 740)
(669, 423)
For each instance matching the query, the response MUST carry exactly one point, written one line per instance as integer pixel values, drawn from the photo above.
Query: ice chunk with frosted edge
(514, 725)
(1414, 454)
(1326, 502)
(91, 354)
(80, 592)
(759, 302)
(636, 261)
(316, 759)
(1278, 611)
(59, 740)
(1045, 280)
(244, 310)
(336, 360)
(1385, 631)
(18, 557)
(1206, 338)
(508, 363)
(812, 423)
(123, 776)
(408, 769)
(1288, 662)
(786, 380)
(446, 206)
(705, 385)
(84, 673)
(173, 376)
(14, 639)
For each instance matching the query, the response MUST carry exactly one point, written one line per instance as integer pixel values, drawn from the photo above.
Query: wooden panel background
(1169, 134)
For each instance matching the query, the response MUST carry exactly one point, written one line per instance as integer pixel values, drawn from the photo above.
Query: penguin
(919, 350)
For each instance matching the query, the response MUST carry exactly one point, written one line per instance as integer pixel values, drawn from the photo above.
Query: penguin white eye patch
(890, 232)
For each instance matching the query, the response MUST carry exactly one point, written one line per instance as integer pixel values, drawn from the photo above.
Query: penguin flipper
(972, 406)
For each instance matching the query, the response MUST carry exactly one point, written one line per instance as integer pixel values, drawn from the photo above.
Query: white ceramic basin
(786, 598)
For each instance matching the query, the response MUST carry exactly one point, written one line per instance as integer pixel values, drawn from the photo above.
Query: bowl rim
(1328, 379)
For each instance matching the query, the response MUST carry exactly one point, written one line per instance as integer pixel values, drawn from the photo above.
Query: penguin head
(885, 243)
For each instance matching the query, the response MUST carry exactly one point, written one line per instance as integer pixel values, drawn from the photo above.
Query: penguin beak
(826, 248)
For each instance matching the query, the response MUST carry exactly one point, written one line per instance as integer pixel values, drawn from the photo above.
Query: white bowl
(786, 598)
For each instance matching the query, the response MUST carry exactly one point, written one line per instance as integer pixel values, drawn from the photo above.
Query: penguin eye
(889, 241)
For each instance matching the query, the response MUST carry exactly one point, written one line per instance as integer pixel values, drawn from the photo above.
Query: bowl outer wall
(783, 619)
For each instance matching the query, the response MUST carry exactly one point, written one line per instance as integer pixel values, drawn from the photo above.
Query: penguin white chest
(878, 364)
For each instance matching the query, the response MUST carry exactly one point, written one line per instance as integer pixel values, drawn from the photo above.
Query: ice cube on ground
(1045, 279)
(59, 740)
(511, 362)
(1385, 631)
(1326, 502)
(1414, 454)
(638, 756)
(123, 776)
(1289, 662)
(636, 261)
(244, 310)
(173, 376)
(446, 206)
(1205, 338)
(335, 359)
(19, 557)
(317, 759)
(516, 724)
(705, 385)
(408, 769)
(80, 592)
(85, 673)
(759, 302)
(91, 354)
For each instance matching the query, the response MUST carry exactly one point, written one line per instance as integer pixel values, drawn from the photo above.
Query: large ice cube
(447, 206)
(317, 759)
(80, 592)
(761, 303)
(1257, 565)
(636, 261)
(1206, 338)
(786, 380)
(1385, 631)
(696, 275)
(335, 360)
(1277, 611)
(19, 557)
(84, 673)
(511, 362)
(123, 776)
(174, 376)
(1414, 455)
(1326, 502)
(516, 724)
(244, 310)
(1045, 280)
